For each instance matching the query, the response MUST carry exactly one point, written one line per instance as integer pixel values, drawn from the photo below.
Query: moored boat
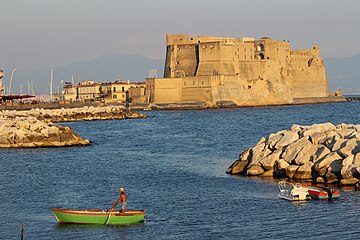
(320, 192)
(293, 192)
(71, 216)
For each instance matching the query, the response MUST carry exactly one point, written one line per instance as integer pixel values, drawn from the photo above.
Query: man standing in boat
(121, 199)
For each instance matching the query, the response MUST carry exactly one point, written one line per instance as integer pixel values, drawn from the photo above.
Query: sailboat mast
(51, 81)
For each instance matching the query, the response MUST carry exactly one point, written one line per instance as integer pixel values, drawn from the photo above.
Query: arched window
(260, 56)
(260, 47)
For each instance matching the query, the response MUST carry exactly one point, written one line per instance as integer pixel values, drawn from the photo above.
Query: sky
(39, 34)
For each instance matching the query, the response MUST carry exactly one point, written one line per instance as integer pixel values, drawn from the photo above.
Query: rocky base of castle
(74, 114)
(324, 153)
(25, 132)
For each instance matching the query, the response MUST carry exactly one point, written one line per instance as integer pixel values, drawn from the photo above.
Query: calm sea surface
(173, 165)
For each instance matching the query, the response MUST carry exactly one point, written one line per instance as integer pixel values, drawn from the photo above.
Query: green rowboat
(71, 216)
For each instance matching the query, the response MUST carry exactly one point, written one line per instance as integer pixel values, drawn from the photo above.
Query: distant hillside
(344, 73)
(105, 68)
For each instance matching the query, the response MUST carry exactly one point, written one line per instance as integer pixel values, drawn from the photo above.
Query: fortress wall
(180, 39)
(223, 59)
(209, 52)
(309, 83)
(181, 60)
(164, 90)
(237, 52)
(274, 50)
(308, 73)
(169, 61)
(252, 71)
(246, 92)
(197, 88)
(314, 51)
(186, 60)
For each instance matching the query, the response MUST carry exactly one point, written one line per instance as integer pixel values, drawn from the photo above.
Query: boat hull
(322, 194)
(70, 216)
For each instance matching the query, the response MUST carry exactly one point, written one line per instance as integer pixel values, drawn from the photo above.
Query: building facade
(117, 91)
(244, 71)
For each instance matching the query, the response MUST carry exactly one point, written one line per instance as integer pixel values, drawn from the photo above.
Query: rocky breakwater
(74, 114)
(324, 153)
(25, 132)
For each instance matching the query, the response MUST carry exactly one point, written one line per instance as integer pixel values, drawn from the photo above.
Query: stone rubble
(74, 114)
(324, 153)
(26, 132)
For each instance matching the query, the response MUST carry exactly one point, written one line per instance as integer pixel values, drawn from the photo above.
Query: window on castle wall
(244, 49)
(202, 82)
(249, 87)
(250, 56)
(244, 56)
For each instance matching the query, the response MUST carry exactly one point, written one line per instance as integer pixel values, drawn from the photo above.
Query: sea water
(172, 164)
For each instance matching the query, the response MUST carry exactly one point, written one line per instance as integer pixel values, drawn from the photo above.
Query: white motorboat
(293, 192)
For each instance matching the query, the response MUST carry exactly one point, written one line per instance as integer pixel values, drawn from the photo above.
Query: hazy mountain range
(342, 73)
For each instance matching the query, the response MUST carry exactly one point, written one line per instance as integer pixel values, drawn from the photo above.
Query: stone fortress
(237, 71)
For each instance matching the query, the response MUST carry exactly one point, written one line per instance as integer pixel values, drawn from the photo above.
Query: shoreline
(167, 106)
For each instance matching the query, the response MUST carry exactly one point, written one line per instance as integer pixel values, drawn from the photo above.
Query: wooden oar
(108, 217)
(22, 232)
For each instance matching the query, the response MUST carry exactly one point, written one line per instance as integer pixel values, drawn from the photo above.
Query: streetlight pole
(11, 78)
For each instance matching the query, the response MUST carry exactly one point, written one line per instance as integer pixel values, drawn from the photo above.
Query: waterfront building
(240, 71)
(89, 90)
(122, 91)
